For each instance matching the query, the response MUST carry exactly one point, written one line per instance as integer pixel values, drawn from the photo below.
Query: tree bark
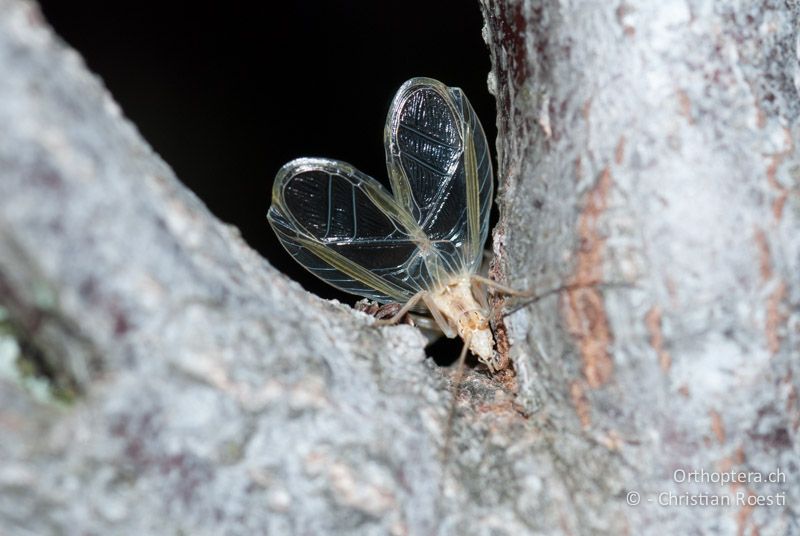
(646, 159)
(650, 146)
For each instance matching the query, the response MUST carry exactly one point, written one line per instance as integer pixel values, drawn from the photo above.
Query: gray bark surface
(212, 394)
(649, 147)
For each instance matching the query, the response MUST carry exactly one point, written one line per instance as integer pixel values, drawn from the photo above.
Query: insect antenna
(534, 297)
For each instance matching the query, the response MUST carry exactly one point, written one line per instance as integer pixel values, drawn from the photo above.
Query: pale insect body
(421, 244)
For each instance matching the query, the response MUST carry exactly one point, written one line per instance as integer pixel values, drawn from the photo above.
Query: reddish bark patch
(775, 318)
(508, 379)
(672, 290)
(585, 312)
(586, 109)
(743, 516)
(497, 302)
(507, 408)
(717, 426)
(726, 464)
(729, 462)
(772, 170)
(621, 13)
(791, 401)
(653, 322)
(619, 152)
(581, 404)
(501, 338)
(761, 117)
(611, 440)
(764, 261)
(685, 105)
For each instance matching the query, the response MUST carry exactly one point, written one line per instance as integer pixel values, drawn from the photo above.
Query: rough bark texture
(647, 144)
(653, 144)
(211, 395)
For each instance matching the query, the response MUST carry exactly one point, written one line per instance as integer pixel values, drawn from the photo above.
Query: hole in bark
(444, 352)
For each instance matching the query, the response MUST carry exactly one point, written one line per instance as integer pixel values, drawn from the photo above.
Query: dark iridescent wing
(346, 229)
(440, 169)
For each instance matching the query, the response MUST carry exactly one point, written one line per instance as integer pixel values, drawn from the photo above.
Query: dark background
(228, 92)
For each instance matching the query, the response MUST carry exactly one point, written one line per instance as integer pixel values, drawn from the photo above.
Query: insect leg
(403, 310)
(490, 283)
(483, 299)
(448, 328)
(426, 322)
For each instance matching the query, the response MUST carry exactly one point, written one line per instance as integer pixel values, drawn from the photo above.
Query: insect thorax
(463, 313)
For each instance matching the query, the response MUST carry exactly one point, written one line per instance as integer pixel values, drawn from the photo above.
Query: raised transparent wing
(346, 229)
(440, 169)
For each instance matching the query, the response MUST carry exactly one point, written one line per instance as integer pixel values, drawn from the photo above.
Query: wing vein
(355, 212)
(428, 137)
(330, 203)
(424, 164)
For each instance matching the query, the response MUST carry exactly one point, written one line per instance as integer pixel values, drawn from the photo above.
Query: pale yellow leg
(482, 297)
(403, 310)
(490, 283)
(447, 328)
(426, 322)
(437, 322)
